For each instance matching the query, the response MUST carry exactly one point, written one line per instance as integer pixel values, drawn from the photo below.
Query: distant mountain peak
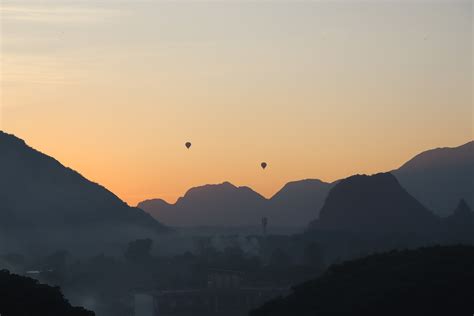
(440, 177)
(155, 201)
(386, 177)
(213, 186)
(219, 188)
(461, 222)
(462, 208)
(373, 203)
(305, 181)
(295, 185)
(225, 204)
(439, 155)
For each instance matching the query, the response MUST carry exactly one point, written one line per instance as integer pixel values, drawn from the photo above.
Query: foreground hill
(427, 281)
(43, 202)
(228, 205)
(21, 296)
(439, 178)
(374, 203)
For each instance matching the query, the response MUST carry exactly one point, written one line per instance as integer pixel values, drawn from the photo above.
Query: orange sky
(316, 89)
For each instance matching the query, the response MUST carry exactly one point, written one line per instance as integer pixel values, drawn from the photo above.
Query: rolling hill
(426, 281)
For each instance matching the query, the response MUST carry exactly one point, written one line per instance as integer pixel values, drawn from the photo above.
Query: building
(225, 295)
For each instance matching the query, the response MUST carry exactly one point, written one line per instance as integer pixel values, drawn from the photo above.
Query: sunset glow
(322, 89)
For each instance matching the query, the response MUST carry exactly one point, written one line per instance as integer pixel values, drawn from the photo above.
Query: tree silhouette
(22, 296)
(139, 251)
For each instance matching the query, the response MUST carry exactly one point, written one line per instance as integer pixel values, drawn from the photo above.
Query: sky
(317, 89)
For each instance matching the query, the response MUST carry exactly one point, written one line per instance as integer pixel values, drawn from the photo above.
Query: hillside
(440, 177)
(299, 202)
(427, 281)
(46, 203)
(228, 205)
(22, 296)
(374, 203)
(437, 178)
(211, 205)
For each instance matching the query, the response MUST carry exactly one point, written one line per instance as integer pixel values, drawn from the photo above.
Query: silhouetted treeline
(22, 296)
(106, 283)
(428, 281)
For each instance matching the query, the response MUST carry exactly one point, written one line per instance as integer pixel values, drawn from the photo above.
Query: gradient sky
(320, 89)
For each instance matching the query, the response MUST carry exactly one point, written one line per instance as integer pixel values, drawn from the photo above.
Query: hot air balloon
(188, 145)
(264, 165)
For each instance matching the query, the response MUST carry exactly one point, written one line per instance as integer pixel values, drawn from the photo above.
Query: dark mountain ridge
(43, 201)
(228, 205)
(460, 224)
(376, 203)
(437, 178)
(440, 177)
(299, 201)
(210, 205)
(426, 281)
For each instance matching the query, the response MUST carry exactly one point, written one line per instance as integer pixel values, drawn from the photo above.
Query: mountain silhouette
(25, 296)
(228, 205)
(210, 205)
(427, 281)
(299, 202)
(41, 201)
(460, 224)
(376, 203)
(439, 178)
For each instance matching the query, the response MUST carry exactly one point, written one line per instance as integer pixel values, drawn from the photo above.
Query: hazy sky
(317, 89)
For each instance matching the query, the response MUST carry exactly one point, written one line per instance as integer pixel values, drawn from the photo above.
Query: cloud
(38, 70)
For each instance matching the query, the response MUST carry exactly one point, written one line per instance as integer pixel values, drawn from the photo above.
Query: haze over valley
(236, 158)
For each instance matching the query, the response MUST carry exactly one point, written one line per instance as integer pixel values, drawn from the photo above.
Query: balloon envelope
(264, 165)
(188, 145)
